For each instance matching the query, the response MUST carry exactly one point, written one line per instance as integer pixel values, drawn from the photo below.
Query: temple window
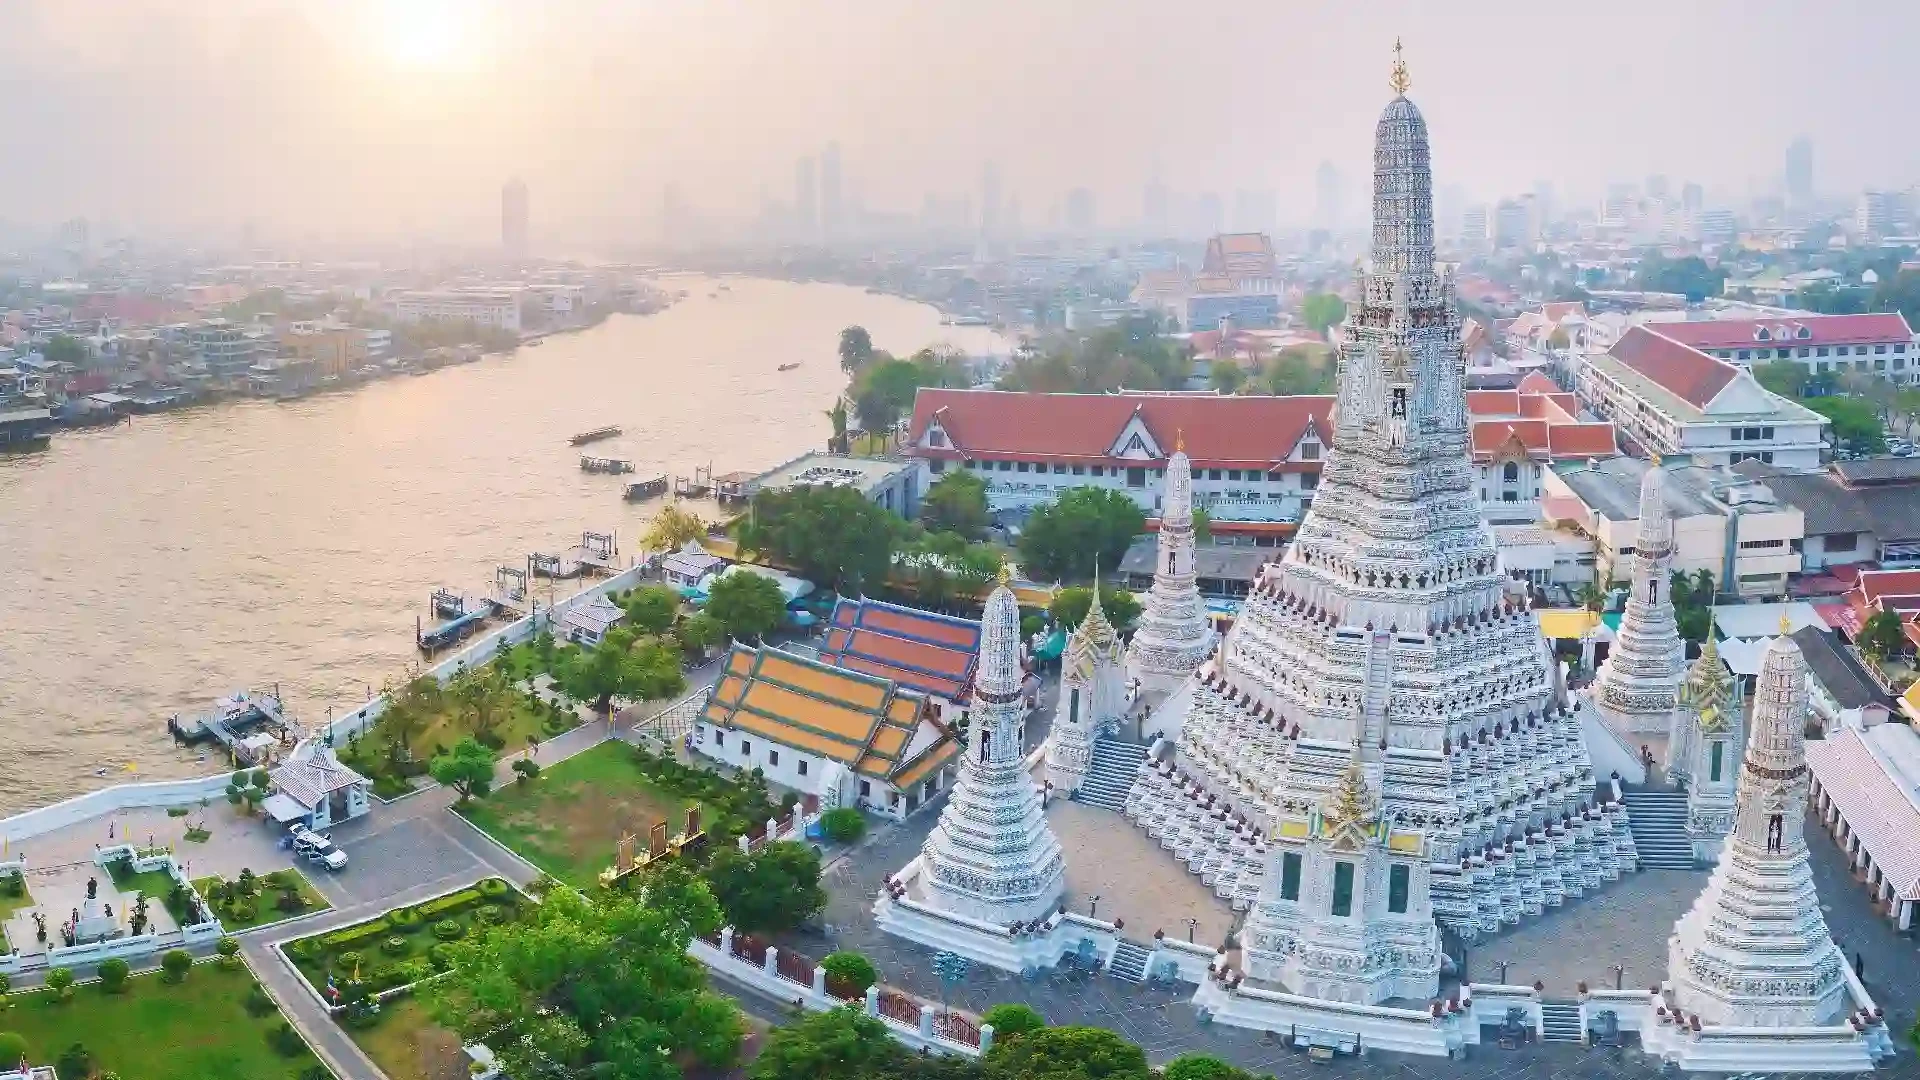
(1289, 876)
(1398, 878)
(1718, 752)
(1343, 888)
(1073, 707)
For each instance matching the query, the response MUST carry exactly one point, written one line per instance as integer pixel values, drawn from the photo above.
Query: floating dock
(452, 631)
(696, 486)
(596, 551)
(249, 723)
(605, 465)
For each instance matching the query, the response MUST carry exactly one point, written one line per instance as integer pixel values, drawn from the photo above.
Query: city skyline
(401, 119)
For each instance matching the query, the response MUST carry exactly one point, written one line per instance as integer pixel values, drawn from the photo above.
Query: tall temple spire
(1173, 637)
(1754, 950)
(992, 855)
(1385, 639)
(1092, 700)
(1638, 684)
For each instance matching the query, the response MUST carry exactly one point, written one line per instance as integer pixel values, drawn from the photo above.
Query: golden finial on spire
(1006, 572)
(1180, 440)
(1786, 627)
(1399, 80)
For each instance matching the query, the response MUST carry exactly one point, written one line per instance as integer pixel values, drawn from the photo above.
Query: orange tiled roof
(1536, 383)
(934, 654)
(1688, 373)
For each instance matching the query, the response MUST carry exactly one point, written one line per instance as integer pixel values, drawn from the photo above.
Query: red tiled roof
(1581, 440)
(1875, 584)
(1559, 310)
(1536, 383)
(1218, 430)
(1490, 436)
(1497, 402)
(1863, 329)
(1688, 373)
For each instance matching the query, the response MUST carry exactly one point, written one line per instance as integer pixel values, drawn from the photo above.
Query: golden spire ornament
(1006, 572)
(1399, 80)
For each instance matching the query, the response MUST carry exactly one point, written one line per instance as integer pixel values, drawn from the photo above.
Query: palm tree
(1591, 597)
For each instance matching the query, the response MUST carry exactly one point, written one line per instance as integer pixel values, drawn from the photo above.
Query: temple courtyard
(1624, 924)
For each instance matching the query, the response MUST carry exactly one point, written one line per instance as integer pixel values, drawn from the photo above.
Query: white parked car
(319, 849)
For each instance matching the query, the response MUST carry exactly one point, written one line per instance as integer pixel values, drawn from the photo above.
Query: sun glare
(424, 34)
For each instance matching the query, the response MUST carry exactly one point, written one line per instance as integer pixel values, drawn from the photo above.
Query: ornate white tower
(1703, 752)
(1093, 697)
(1172, 638)
(1754, 950)
(992, 856)
(1639, 682)
(1388, 625)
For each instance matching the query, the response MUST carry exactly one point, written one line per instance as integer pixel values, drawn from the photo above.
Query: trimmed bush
(440, 956)
(405, 919)
(1012, 1018)
(242, 911)
(285, 1041)
(13, 1047)
(394, 946)
(258, 1004)
(849, 974)
(448, 930)
(490, 914)
(175, 965)
(493, 887)
(75, 1060)
(843, 825)
(113, 975)
(352, 934)
(455, 901)
(60, 981)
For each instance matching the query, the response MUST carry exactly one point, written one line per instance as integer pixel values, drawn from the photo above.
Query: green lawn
(408, 1045)
(568, 819)
(155, 883)
(10, 904)
(198, 1030)
(520, 718)
(265, 903)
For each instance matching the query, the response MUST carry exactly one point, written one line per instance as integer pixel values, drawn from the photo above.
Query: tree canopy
(1130, 354)
(652, 609)
(1321, 310)
(944, 566)
(1899, 292)
(64, 349)
(467, 768)
(1297, 371)
(746, 604)
(1202, 1067)
(1067, 1053)
(957, 502)
(1882, 636)
(622, 665)
(1070, 606)
(1788, 378)
(596, 986)
(1085, 524)
(856, 349)
(1226, 376)
(884, 390)
(1011, 1018)
(775, 887)
(1689, 276)
(1855, 423)
(671, 528)
(831, 535)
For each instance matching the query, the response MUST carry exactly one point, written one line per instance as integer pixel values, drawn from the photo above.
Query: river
(156, 565)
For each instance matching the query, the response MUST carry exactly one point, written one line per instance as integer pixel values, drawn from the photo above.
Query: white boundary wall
(60, 815)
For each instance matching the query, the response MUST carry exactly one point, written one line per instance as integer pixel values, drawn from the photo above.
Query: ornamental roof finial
(1006, 572)
(1786, 627)
(1399, 80)
(1180, 440)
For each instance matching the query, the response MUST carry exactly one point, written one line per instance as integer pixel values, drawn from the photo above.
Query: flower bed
(250, 901)
(399, 947)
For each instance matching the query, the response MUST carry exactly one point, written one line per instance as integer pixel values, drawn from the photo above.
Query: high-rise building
(990, 199)
(1800, 171)
(1473, 225)
(1326, 196)
(513, 217)
(1693, 197)
(1657, 187)
(832, 210)
(806, 202)
(1513, 225)
(1882, 213)
(1154, 210)
(1080, 219)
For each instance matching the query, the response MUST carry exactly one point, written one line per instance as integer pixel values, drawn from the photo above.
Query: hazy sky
(368, 117)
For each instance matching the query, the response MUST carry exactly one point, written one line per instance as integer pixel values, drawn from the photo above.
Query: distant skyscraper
(1473, 225)
(1154, 208)
(990, 199)
(831, 207)
(1656, 186)
(1080, 219)
(806, 203)
(1800, 171)
(1693, 197)
(1326, 196)
(1255, 211)
(513, 217)
(1513, 223)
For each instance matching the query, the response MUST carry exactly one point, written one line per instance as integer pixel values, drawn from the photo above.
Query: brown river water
(157, 565)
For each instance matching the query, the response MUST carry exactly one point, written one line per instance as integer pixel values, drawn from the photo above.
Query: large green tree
(652, 609)
(597, 986)
(1297, 371)
(467, 768)
(1882, 636)
(1788, 378)
(64, 349)
(832, 535)
(1321, 310)
(944, 566)
(1070, 606)
(856, 349)
(883, 393)
(1226, 376)
(1855, 423)
(1690, 276)
(776, 887)
(1132, 353)
(1067, 1053)
(1084, 525)
(957, 502)
(1899, 292)
(746, 604)
(840, 1044)
(622, 665)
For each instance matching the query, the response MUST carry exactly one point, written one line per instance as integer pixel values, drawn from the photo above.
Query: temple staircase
(1658, 820)
(1129, 963)
(1560, 1022)
(1110, 774)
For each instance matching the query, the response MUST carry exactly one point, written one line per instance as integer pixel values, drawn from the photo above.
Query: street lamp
(1093, 904)
(1619, 975)
(1192, 925)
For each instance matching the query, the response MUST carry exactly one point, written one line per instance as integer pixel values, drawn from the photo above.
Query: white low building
(1864, 785)
(1672, 399)
(312, 787)
(587, 624)
(496, 308)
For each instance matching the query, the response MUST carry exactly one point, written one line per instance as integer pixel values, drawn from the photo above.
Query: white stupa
(1093, 697)
(992, 856)
(1639, 683)
(1172, 637)
(1754, 950)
